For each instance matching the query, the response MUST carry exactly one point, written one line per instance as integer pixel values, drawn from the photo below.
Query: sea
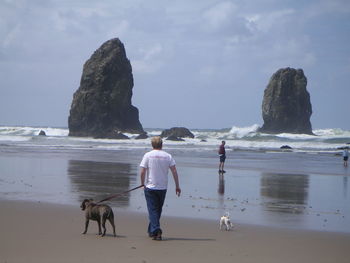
(239, 138)
(303, 187)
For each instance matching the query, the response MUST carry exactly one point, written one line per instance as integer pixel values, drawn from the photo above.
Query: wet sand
(41, 232)
(289, 190)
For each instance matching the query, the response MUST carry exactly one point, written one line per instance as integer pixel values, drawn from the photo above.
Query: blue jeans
(155, 200)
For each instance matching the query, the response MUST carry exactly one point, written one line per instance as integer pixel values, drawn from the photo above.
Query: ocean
(305, 187)
(240, 138)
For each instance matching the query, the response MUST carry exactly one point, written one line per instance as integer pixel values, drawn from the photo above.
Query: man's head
(157, 142)
(223, 142)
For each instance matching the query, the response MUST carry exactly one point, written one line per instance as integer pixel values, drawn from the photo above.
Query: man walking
(154, 176)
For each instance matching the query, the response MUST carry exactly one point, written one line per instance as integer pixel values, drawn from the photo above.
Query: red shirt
(222, 149)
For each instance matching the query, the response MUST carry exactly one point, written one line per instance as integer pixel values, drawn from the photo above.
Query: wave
(239, 132)
(236, 138)
(32, 131)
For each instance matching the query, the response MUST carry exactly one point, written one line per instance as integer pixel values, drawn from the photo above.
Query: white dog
(225, 221)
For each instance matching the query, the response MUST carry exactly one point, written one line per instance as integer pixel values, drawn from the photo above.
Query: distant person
(345, 156)
(154, 176)
(222, 156)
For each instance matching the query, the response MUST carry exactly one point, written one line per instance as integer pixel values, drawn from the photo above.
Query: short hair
(157, 142)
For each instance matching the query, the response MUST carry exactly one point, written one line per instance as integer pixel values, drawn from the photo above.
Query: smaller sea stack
(286, 106)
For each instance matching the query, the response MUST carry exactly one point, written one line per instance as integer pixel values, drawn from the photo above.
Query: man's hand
(143, 176)
(176, 180)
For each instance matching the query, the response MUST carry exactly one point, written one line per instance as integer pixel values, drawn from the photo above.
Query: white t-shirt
(157, 163)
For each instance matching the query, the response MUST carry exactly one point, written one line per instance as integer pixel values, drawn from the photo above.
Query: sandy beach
(40, 232)
(286, 206)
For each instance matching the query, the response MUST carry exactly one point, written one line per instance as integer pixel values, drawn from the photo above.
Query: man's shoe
(158, 236)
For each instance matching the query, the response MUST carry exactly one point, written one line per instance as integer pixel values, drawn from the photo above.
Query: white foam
(332, 133)
(32, 131)
(295, 136)
(240, 132)
(6, 138)
(236, 138)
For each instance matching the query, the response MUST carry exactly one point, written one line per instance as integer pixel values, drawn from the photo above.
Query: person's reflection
(221, 193)
(345, 186)
(221, 186)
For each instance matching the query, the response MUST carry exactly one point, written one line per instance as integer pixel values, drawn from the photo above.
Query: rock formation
(286, 105)
(101, 107)
(179, 132)
(42, 133)
(287, 147)
(174, 138)
(142, 136)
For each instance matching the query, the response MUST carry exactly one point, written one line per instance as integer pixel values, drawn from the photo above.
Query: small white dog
(225, 221)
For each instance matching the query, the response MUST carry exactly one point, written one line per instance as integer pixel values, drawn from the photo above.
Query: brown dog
(99, 213)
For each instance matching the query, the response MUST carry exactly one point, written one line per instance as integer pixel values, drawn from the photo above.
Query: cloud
(326, 7)
(119, 29)
(207, 71)
(176, 45)
(10, 37)
(264, 22)
(219, 15)
(149, 59)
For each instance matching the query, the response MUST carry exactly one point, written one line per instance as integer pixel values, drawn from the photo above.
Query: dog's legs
(104, 225)
(86, 226)
(111, 220)
(99, 225)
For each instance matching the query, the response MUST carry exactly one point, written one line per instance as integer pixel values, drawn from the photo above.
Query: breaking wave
(236, 138)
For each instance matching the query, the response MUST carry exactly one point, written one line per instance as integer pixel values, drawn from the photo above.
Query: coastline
(42, 232)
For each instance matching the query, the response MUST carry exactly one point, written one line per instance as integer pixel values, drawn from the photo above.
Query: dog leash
(122, 193)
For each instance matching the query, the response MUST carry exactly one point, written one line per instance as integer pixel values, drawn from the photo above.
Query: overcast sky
(196, 63)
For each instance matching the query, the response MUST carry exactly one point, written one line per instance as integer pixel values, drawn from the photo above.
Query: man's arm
(143, 175)
(176, 180)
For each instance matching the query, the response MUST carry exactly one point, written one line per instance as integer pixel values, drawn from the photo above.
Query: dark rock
(203, 140)
(102, 104)
(286, 147)
(142, 136)
(114, 135)
(175, 138)
(286, 105)
(180, 132)
(42, 133)
(343, 148)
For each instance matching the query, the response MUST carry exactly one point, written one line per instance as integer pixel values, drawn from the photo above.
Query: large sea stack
(101, 107)
(286, 106)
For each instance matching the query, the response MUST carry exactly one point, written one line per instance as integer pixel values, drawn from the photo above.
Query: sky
(196, 63)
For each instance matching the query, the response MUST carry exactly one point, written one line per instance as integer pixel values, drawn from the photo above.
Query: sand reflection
(284, 192)
(98, 180)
